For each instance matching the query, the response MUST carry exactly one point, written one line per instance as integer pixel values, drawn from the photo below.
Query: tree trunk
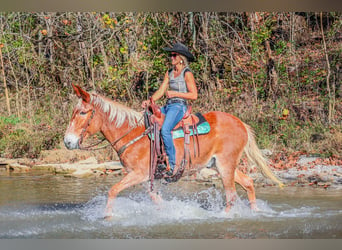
(330, 95)
(5, 84)
(272, 76)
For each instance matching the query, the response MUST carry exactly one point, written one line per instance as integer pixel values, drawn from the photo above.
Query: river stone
(111, 165)
(16, 167)
(90, 160)
(81, 173)
(207, 173)
(304, 160)
(266, 152)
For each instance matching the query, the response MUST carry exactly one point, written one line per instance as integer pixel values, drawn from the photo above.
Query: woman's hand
(145, 103)
(170, 94)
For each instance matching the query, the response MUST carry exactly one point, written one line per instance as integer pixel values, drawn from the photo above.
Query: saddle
(159, 117)
(155, 118)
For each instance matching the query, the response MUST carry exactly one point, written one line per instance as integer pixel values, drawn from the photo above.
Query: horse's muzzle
(71, 141)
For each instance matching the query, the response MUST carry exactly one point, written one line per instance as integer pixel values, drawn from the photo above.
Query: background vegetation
(279, 72)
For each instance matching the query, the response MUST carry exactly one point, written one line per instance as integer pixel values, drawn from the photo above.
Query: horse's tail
(254, 155)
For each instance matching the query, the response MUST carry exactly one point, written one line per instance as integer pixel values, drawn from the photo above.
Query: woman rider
(179, 86)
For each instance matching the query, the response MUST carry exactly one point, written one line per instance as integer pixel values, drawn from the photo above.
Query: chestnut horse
(123, 127)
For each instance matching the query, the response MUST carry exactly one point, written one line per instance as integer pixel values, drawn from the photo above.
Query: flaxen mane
(117, 112)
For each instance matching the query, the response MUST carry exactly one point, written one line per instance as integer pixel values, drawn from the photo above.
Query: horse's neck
(120, 135)
(118, 122)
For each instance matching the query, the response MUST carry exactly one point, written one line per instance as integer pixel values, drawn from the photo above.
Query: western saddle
(155, 118)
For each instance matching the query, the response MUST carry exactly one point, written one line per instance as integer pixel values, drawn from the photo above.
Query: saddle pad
(203, 127)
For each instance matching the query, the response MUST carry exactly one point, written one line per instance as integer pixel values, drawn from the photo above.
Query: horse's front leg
(156, 197)
(132, 178)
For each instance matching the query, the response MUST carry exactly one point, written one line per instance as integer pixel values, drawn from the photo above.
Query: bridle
(119, 151)
(85, 129)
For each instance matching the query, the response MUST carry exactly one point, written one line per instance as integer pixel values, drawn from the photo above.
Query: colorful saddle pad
(203, 127)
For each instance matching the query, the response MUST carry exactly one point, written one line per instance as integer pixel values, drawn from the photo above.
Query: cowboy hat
(181, 49)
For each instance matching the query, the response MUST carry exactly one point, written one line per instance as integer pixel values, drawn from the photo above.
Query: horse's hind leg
(226, 169)
(247, 183)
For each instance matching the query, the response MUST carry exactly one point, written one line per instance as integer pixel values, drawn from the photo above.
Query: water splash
(135, 215)
(139, 210)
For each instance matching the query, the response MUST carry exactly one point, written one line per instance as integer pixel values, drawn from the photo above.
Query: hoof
(108, 218)
(227, 210)
(255, 209)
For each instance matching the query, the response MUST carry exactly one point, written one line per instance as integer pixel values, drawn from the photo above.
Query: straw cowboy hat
(181, 49)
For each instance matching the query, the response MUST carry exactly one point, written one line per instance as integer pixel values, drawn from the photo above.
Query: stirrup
(169, 172)
(161, 167)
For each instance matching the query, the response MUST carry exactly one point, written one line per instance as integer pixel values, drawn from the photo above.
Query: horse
(124, 129)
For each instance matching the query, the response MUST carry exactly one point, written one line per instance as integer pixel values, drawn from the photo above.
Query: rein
(122, 149)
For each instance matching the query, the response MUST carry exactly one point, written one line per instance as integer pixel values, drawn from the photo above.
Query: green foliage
(9, 120)
(120, 55)
(281, 47)
(18, 138)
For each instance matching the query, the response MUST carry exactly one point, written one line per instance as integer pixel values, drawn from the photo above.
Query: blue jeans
(173, 114)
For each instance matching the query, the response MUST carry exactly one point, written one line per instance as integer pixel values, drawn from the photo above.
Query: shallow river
(42, 205)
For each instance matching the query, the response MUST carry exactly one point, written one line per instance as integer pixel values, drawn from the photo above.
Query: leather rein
(122, 149)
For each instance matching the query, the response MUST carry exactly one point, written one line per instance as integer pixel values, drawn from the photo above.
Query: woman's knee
(165, 131)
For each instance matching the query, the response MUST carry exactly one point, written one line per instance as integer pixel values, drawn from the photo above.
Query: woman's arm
(192, 89)
(160, 92)
(162, 89)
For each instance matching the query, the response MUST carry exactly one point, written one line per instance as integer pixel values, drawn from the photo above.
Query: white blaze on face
(71, 141)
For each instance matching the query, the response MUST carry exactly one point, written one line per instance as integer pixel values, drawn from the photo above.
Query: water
(42, 205)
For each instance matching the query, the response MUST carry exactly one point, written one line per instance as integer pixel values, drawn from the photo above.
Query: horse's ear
(84, 95)
(81, 93)
(76, 89)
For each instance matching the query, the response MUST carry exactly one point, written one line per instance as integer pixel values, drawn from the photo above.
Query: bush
(20, 139)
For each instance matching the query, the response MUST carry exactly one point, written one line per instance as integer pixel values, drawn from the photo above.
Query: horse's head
(83, 121)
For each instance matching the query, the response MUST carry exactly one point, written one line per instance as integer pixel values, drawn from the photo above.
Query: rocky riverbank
(306, 171)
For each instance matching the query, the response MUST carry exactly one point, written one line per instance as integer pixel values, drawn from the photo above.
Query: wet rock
(90, 160)
(302, 179)
(64, 155)
(16, 167)
(113, 165)
(313, 178)
(337, 174)
(258, 178)
(324, 177)
(82, 173)
(81, 168)
(206, 174)
(99, 173)
(287, 176)
(304, 160)
(111, 172)
(338, 181)
(266, 152)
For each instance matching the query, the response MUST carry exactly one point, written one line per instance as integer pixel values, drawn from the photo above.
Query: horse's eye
(83, 113)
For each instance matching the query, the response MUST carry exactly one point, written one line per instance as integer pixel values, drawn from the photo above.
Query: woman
(179, 86)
